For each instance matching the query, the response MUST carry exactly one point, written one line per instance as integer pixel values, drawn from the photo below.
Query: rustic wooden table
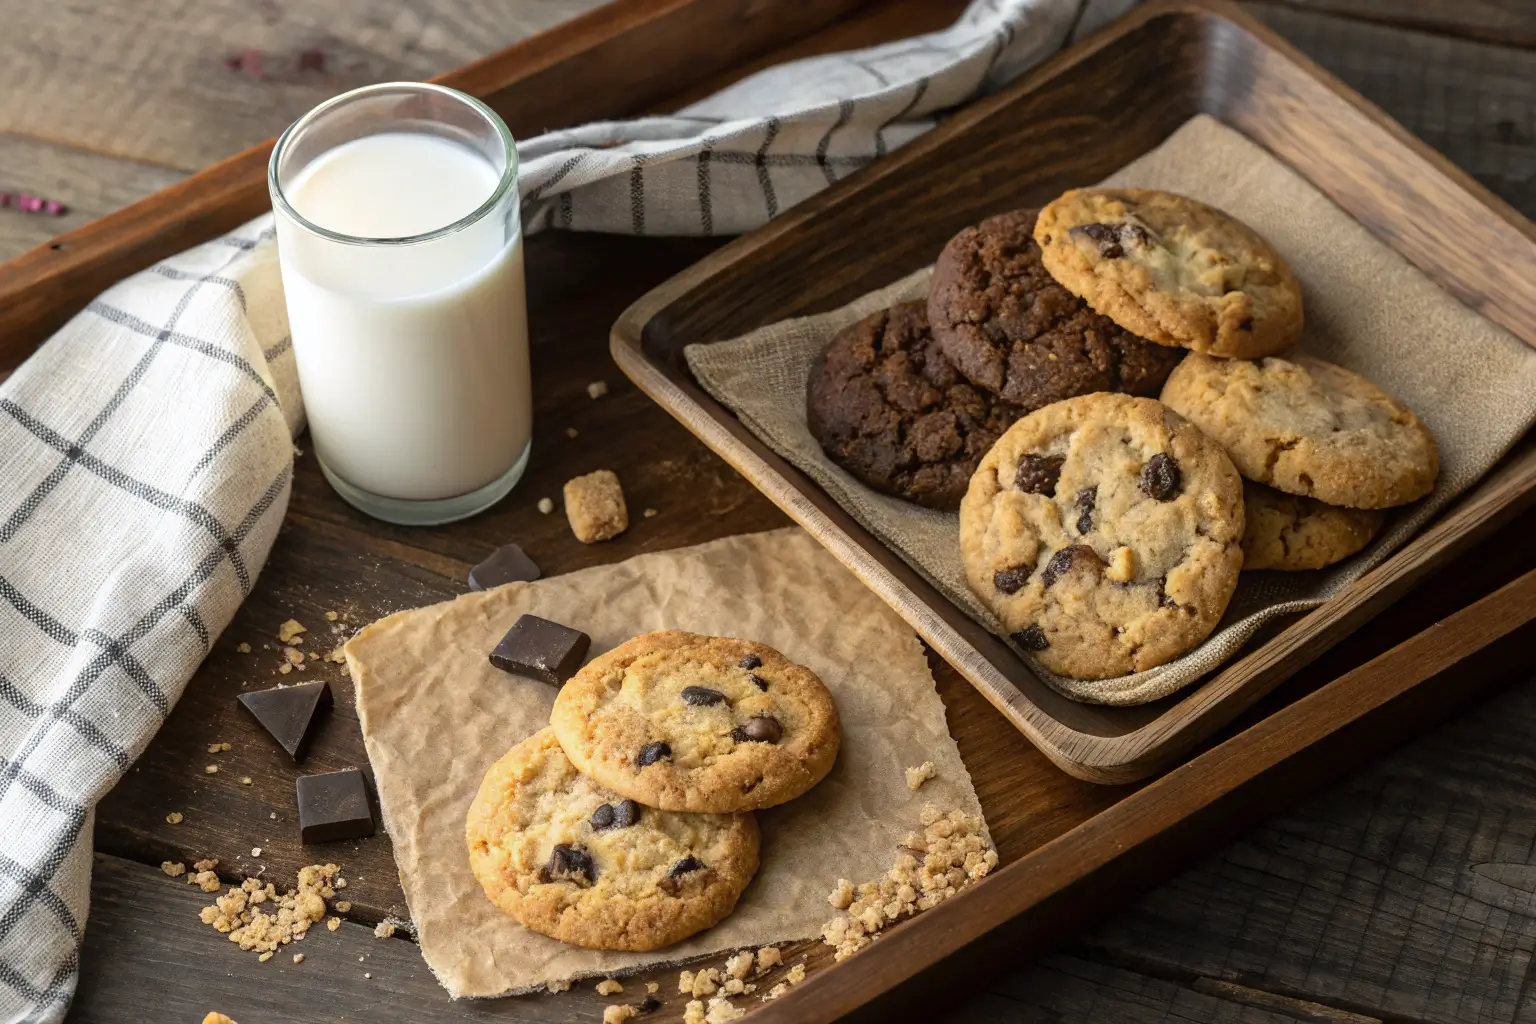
(1407, 893)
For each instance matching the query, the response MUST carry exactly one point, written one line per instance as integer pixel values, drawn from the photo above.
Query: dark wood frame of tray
(1074, 120)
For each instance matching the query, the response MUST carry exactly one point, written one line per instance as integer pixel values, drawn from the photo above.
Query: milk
(413, 358)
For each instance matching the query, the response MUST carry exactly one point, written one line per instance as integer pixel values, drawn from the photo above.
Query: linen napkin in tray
(1367, 308)
(435, 715)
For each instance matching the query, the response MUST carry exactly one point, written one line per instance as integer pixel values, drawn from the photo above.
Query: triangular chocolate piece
(288, 712)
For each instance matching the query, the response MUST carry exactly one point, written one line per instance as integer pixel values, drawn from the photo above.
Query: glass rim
(508, 180)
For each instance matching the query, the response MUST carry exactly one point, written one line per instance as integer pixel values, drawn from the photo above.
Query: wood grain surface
(149, 959)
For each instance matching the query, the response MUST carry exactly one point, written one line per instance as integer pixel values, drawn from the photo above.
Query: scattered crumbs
(556, 986)
(265, 956)
(921, 774)
(572, 432)
(333, 924)
(173, 868)
(218, 748)
(174, 818)
(618, 1013)
(649, 513)
(383, 930)
(652, 987)
(245, 780)
(722, 1011)
(298, 958)
(841, 896)
(286, 918)
(546, 506)
(255, 851)
(337, 655)
(597, 389)
(243, 648)
(693, 1013)
(767, 959)
(609, 987)
(739, 966)
(288, 632)
(343, 906)
(954, 855)
(698, 985)
(331, 616)
(210, 769)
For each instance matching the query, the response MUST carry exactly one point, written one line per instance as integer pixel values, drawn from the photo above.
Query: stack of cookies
(627, 823)
(1103, 526)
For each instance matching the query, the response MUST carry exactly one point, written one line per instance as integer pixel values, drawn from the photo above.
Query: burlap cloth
(435, 715)
(1367, 308)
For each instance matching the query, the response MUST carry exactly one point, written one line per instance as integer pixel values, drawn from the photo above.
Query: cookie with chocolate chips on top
(698, 723)
(579, 863)
(1105, 532)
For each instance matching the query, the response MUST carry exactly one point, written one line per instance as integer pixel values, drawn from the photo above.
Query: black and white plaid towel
(146, 450)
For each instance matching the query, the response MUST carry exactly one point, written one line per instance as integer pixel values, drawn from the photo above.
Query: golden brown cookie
(572, 860)
(1308, 427)
(698, 723)
(1289, 532)
(1104, 531)
(1172, 270)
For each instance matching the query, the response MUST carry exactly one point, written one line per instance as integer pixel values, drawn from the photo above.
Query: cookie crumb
(572, 433)
(210, 769)
(556, 986)
(546, 506)
(333, 924)
(173, 868)
(236, 913)
(776, 991)
(594, 505)
(218, 748)
(740, 965)
(796, 973)
(383, 930)
(284, 668)
(245, 780)
(298, 958)
(842, 896)
(722, 1011)
(703, 983)
(597, 389)
(921, 774)
(609, 987)
(649, 513)
(243, 648)
(693, 1013)
(367, 975)
(174, 818)
(618, 1013)
(343, 906)
(255, 851)
(265, 956)
(652, 987)
(338, 656)
(215, 1017)
(768, 958)
(288, 632)
(331, 616)
(295, 656)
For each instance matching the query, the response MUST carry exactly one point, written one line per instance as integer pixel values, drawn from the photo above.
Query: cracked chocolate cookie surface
(1172, 270)
(1008, 326)
(1289, 532)
(1104, 531)
(1308, 427)
(887, 405)
(698, 723)
(577, 862)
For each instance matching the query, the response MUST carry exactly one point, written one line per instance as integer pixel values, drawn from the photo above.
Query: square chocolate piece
(334, 806)
(541, 649)
(507, 564)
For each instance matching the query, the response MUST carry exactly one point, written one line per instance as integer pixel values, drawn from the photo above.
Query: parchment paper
(1366, 307)
(435, 715)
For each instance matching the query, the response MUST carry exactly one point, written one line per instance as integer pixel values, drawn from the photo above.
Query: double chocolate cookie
(698, 723)
(1105, 532)
(886, 405)
(1012, 329)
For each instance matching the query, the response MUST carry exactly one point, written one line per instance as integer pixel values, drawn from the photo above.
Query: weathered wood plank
(1511, 22)
(89, 185)
(1471, 101)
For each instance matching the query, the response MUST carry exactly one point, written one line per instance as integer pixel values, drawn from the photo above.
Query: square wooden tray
(1076, 119)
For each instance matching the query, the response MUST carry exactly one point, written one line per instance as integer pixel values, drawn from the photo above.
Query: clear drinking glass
(401, 252)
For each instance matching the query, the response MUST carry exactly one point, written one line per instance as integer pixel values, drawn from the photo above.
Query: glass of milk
(402, 263)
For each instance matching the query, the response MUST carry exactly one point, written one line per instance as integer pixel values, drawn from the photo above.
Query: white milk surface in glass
(413, 359)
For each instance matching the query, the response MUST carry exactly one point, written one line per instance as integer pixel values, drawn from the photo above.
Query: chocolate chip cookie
(887, 406)
(572, 860)
(1287, 531)
(1013, 330)
(698, 723)
(1308, 427)
(1173, 270)
(1105, 532)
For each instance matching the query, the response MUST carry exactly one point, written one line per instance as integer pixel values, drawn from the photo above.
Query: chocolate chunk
(1037, 474)
(702, 696)
(1069, 559)
(761, 729)
(288, 712)
(1105, 236)
(541, 649)
(570, 863)
(1086, 499)
(620, 815)
(1135, 233)
(1031, 638)
(651, 753)
(673, 883)
(601, 818)
(333, 806)
(650, 1004)
(1011, 581)
(759, 682)
(507, 564)
(750, 661)
(1161, 478)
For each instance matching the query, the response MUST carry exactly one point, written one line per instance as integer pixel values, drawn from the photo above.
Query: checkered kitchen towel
(146, 449)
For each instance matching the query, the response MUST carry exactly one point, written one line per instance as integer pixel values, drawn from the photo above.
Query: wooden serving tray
(1073, 121)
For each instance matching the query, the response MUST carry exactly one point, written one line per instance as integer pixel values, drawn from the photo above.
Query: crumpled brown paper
(435, 715)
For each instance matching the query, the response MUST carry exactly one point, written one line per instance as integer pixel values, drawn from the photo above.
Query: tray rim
(1213, 702)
